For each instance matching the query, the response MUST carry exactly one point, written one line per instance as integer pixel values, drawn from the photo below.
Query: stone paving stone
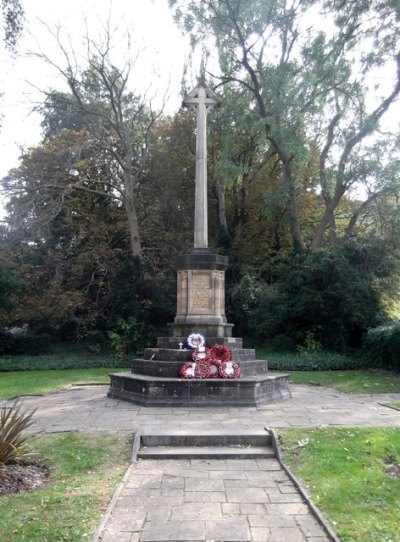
(238, 464)
(127, 522)
(287, 489)
(260, 534)
(232, 530)
(229, 508)
(113, 537)
(159, 513)
(198, 484)
(286, 534)
(309, 525)
(236, 483)
(270, 520)
(203, 496)
(171, 481)
(201, 511)
(176, 495)
(208, 464)
(187, 473)
(228, 474)
(287, 508)
(246, 495)
(285, 498)
(248, 508)
(174, 531)
(139, 480)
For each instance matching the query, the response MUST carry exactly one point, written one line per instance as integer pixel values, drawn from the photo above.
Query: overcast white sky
(150, 23)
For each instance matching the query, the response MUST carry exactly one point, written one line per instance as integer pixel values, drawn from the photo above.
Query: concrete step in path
(209, 444)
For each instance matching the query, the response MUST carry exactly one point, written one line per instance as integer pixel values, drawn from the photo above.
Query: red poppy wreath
(219, 352)
(187, 370)
(202, 369)
(229, 369)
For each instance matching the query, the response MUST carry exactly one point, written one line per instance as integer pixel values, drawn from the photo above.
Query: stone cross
(201, 100)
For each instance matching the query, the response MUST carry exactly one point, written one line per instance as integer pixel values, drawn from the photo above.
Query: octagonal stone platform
(154, 381)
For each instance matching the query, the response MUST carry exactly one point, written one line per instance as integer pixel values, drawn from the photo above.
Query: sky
(22, 78)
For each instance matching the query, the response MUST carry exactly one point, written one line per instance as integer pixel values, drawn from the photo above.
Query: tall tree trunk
(131, 216)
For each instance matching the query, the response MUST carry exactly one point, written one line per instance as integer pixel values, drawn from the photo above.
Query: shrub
(381, 345)
(321, 361)
(326, 299)
(13, 421)
(30, 345)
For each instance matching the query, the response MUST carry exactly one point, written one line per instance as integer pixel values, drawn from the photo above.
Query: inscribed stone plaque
(201, 291)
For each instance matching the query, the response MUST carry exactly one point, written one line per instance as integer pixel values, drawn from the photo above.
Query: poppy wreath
(195, 340)
(202, 369)
(214, 369)
(219, 352)
(229, 369)
(187, 370)
(201, 354)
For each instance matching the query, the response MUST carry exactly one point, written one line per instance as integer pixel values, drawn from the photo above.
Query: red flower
(187, 370)
(214, 369)
(219, 352)
(202, 369)
(229, 369)
(200, 356)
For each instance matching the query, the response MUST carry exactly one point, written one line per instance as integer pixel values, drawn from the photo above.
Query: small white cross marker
(180, 345)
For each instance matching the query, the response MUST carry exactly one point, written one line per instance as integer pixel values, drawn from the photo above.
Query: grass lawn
(347, 474)
(13, 384)
(84, 472)
(358, 381)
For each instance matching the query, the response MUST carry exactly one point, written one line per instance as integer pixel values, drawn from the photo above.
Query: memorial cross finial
(201, 99)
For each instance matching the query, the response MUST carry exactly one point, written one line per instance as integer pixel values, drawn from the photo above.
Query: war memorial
(200, 363)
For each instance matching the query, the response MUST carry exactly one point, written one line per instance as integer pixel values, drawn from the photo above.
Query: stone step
(207, 438)
(205, 452)
(212, 444)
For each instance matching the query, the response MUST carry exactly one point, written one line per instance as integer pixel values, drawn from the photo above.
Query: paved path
(209, 500)
(87, 408)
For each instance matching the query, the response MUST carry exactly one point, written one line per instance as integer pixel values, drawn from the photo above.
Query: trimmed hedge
(25, 344)
(80, 360)
(382, 345)
(321, 361)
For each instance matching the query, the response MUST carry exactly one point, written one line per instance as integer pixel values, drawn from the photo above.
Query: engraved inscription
(200, 291)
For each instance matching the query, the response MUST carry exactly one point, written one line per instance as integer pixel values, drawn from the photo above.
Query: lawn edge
(314, 509)
(99, 532)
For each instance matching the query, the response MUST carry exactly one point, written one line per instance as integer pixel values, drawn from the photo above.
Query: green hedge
(62, 361)
(382, 345)
(321, 361)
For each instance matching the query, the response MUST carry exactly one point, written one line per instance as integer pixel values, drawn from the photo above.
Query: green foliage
(29, 345)
(9, 285)
(381, 345)
(323, 299)
(305, 361)
(127, 337)
(61, 359)
(13, 421)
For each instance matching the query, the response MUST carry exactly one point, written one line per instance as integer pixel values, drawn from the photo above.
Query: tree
(117, 122)
(13, 16)
(306, 69)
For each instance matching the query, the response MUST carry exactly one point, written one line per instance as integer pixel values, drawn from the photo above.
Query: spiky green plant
(13, 421)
